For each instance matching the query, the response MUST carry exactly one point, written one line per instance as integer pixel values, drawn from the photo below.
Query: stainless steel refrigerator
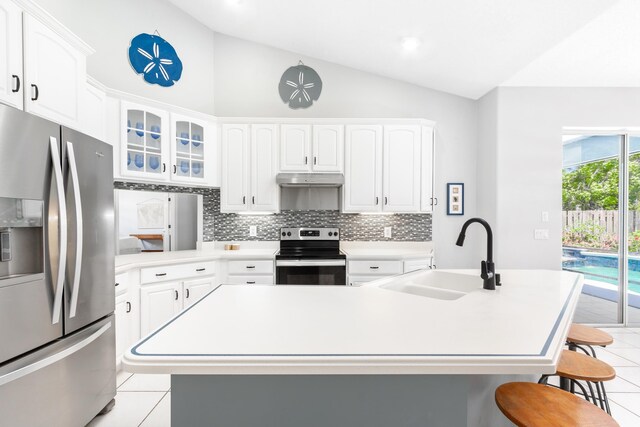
(57, 329)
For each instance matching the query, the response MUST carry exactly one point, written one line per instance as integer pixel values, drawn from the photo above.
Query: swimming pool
(607, 274)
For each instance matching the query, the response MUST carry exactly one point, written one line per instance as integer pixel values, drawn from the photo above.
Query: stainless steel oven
(310, 256)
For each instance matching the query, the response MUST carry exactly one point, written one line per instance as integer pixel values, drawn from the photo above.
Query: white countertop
(519, 328)
(149, 259)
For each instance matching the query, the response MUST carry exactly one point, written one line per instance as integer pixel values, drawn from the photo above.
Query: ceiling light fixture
(410, 43)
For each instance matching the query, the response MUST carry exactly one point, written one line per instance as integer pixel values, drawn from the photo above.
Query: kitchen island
(424, 348)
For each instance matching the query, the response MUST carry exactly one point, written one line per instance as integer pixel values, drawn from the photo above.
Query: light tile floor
(145, 400)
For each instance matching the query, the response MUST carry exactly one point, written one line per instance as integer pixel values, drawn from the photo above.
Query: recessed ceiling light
(410, 43)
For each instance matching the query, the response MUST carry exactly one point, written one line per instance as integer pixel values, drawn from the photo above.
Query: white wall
(128, 201)
(109, 25)
(528, 133)
(246, 85)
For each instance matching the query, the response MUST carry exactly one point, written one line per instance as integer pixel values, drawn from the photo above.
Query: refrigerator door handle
(73, 170)
(62, 219)
(49, 359)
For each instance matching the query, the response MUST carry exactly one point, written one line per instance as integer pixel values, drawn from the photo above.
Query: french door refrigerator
(57, 330)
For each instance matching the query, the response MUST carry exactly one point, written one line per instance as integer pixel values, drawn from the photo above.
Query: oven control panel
(309, 234)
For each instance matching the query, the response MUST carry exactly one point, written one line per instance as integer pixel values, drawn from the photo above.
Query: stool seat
(578, 366)
(580, 334)
(533, 405)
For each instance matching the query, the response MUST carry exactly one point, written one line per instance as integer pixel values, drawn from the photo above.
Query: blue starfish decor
(154, 58)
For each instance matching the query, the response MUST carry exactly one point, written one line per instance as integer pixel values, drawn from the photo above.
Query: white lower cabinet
(364, 271)
(196, 289)
(124, 328)
(250, 272)
(161, 302)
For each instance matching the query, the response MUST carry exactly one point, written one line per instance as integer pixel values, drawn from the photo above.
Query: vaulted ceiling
(466, 47)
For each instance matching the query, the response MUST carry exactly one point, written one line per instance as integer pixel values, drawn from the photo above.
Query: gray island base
(337, 400)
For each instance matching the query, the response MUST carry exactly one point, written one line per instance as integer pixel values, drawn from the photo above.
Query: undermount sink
(435, 284)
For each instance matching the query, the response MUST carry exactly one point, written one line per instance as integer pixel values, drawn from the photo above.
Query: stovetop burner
(310, 243)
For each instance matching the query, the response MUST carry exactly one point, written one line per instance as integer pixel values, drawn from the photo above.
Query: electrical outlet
(387, 232)
(541, 234)
(253, 230)
(545, 216)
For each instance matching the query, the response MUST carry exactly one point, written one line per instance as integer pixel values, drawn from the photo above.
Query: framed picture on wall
(455, 198)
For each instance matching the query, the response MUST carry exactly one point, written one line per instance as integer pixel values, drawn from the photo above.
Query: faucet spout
(487, 268)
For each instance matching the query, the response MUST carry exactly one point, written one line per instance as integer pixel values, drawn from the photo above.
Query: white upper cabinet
(362, 190)
(249, 168)
(93, 114)
(295, 148)
(328, 148)
(427, 196)
(192, 149)
(55, 74)
(401, 170)
(11, 81)
(306, 148)
(234, 186)
(265, 192)
(144, 142)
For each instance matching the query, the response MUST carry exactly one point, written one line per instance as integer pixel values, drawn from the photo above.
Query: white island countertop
(520, 328)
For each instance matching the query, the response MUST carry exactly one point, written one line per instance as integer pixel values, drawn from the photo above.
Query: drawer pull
(160, 274)
(128, 307)
(187, 293)
(251, 283)
(176, 295)
(200, 269)
(374, 267)
(251, 266)
(117, 284)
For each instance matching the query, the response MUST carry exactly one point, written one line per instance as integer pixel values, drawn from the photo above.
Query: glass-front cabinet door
(145, 152)
(190, 143)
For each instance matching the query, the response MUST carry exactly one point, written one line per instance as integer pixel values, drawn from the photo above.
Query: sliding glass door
(632, 296)
(593, 197)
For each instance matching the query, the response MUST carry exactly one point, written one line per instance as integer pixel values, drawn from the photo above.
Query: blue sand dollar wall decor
(154, 58)
(300, 86)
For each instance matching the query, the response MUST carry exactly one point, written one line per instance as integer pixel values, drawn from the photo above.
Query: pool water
(594, 272)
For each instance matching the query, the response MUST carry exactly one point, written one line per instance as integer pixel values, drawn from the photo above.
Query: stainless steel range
(310, 256)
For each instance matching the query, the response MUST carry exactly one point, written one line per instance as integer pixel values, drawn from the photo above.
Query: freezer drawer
(64, 384)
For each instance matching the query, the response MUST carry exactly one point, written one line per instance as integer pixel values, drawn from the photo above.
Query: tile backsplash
(219, 226)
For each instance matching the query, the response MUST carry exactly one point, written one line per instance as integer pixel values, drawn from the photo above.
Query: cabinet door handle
(374, 267)
(36, 92)
(160, 274)
(187, 293)
(386, 200)
(251, 266)
(434, 201)
(175, 169)
(253, 200)
(244, 200)
(128, 307)
(251, 283)
(117, 284)
(315, 160)
(306, 160)
(17, 87)
(200, 269)
(176, 294)
(377, 200)
(164, 167)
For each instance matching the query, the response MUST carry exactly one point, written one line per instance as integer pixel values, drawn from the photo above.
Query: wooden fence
(608, 220)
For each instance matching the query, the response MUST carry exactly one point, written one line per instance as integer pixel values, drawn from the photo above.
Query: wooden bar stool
(584, 337)
(537, 405)
(576, 367)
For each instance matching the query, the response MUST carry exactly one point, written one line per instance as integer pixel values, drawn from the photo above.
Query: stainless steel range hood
(310, 179)
(310, 191)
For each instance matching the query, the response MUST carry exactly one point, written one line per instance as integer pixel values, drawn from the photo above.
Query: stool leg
(584, 390)
(565, 384)
(606, 399)
(543, 379)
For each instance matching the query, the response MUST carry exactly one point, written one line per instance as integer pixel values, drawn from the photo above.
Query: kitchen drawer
(250, 267)
(249, 280)
(122, 283)
(417, 264)
(360, 280)
(177, 271)
(377, 268)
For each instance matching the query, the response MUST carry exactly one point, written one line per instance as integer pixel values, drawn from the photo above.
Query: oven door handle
(311, 263)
